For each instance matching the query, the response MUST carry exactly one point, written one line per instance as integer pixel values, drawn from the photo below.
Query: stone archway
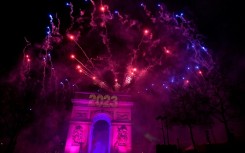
(93, 113)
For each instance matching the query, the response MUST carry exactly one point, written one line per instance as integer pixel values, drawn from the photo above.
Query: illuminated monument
(100, 123)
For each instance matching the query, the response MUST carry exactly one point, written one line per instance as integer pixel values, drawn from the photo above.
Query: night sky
(220, 22)
(220, 25)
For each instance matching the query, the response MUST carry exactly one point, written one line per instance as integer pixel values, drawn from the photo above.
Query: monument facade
(100, 123)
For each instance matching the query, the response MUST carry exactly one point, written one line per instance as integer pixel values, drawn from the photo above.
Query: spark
(146, 31)
(102, 8)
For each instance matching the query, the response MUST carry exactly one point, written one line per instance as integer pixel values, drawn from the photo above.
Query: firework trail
(92, 23)
(71, 15)
(26, 59)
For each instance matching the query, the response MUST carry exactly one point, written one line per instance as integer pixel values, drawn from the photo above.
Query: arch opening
(100, 137)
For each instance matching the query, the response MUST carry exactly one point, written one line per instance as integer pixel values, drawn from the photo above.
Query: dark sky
(220, 22)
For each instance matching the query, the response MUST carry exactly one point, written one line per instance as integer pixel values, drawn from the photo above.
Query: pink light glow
(187, 82)
(71, 37)
(102, 8)
(78, 67)
(72, 56)
(167, 51)
(200, 72)
(146, 31)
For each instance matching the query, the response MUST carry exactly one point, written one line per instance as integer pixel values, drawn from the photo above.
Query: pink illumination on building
(100, 125)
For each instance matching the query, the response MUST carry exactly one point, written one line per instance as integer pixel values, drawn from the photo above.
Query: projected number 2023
(103, 101)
